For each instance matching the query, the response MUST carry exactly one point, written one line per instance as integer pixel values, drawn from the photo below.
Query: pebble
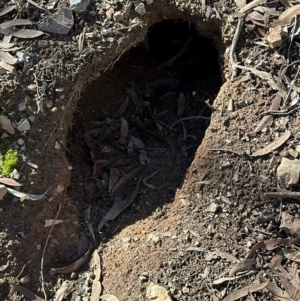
(49, 104)
(20, 141)
(185, 290)
(56, 145)
(54, 109)
(21, 106)
(118, 17)
(32, 87)
(31, 118)
(24, 126)
(15, 174)
(141, 9)
(3, 191)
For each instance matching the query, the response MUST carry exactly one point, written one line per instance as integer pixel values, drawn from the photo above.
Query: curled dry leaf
(6, 123)
(25, 195)
(145, 179)
(274, 145)
(245, 291)
(73, 266)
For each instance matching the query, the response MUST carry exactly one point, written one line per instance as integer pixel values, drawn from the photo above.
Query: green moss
(10, 161)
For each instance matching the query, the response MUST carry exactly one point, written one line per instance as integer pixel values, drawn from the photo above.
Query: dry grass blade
(74, 266)
(272, 146)
(244, 265)
(244, 291)
(7, 9)
(126, 178)
(27, 293)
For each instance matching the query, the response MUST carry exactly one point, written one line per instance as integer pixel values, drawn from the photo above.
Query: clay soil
(156, 93)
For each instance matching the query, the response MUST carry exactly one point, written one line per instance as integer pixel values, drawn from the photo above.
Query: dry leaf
(27, 33)
(181, 104)
(273, 145)
(245, 291)
(25, 195)
(49, 222)
(6, 10)
(10, 182)
(9, 68)
(6, 45)
(13, 23)
(64, 290)
(145, 179)
(277, 292)
(27, 293)
(124, 131)
(250, 5)
(126, 178)
(8, 58)
(6, 124)
(113, 178)
(246, 264)
(120, 204)
(74, 266)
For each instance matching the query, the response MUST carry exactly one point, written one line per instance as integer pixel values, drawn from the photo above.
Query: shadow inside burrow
(141, 109)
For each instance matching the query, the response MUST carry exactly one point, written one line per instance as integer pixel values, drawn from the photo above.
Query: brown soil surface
(194, 222)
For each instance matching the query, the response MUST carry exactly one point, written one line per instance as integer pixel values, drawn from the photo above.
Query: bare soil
(202, 212)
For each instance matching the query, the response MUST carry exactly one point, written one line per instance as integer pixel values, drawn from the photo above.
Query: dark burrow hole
(173, 75)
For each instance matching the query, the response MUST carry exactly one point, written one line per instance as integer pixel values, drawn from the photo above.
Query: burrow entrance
(137, 127)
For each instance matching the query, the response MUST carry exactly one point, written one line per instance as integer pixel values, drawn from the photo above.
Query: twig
(280, 113)
(189, 118)
(282, 194)
(44, 250)
(225, 150)
(292, 83)
(292, 38)
(233, 46)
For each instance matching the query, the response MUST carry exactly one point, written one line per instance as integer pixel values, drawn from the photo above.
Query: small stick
(292, 83)
(233, 46)
(225, 150)
(280, 113)
(282, 194)
(189, 118)
(44, 250)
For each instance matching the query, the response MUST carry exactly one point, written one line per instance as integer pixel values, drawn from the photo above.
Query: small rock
(56, 145)
(109, 13)
(54, 109)
(275, 37)
(24, 126)
(141, 9)
(4, 135)
(157, 293)
(24, 280)
(42, 44)
(213, 207)
(60, 22)
(32, 87)
(49, 104)
(73, 275)
(149, 2)
(3, 191)
(20, 141)
(293, 153)
(31, 118)
(21, 106)
(63, 108)
(118, 17)
(15, 174)
(185, 290)
(288, 172)
(79, 6)
(153, 238)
